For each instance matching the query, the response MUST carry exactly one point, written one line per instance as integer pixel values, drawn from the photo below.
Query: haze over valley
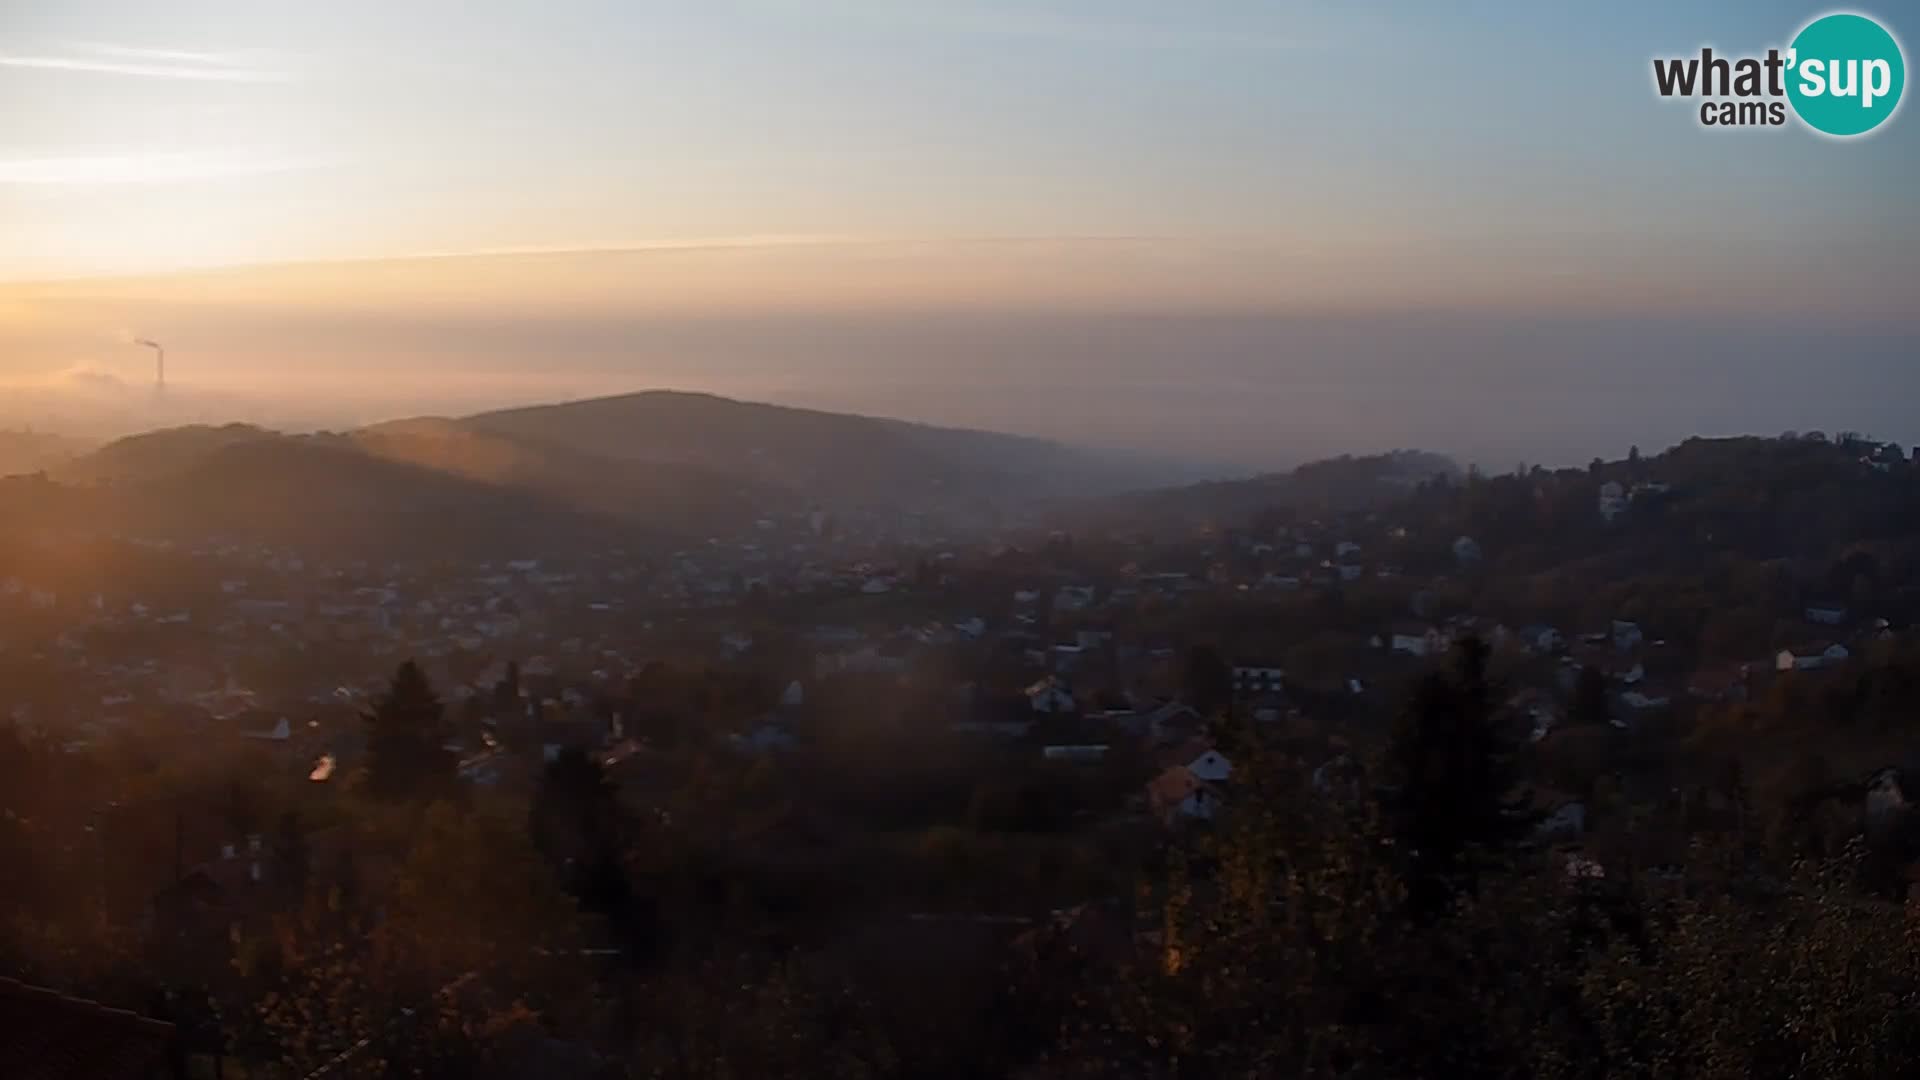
(958, 540)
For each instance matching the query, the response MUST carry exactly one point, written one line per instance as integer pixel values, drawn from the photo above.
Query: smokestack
(159, 363)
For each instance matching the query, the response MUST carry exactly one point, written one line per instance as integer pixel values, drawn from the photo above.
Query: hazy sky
(1140, 221)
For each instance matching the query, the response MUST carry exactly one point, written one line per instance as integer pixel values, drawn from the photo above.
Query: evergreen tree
(1451, 771)
(406, 758)
(577, 826)
(1590, 705)
(506, 694)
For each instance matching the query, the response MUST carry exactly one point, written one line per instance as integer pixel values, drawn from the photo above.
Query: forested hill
(1334, 485)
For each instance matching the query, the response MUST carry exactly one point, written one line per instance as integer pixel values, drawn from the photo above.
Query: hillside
(663, 465)
(1336, 485)
(319, 494)
(153, 455)
(672, 496)
(829, 457)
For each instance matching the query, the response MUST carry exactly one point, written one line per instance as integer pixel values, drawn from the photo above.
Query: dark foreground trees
(1301, 939)
(406, 741)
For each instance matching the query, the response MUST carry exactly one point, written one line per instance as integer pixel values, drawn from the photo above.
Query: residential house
(1200, 759)
(1466, 550)
(1810, 657)
(1826, 614)
(1627, 636)
(1613, 500)
(1886, 798)
(1177, 794)
(1646, 699)
(1050, 695)
(1212, 767)
(1414, 639)
(1257, 678)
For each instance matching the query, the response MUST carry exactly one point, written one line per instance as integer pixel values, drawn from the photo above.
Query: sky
(1236, 230)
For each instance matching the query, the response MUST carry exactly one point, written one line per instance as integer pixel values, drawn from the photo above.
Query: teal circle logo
(1845, 75)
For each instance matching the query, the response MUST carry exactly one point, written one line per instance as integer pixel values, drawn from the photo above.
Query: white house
(1212, 766)
(1641, 700)
(1613, 500)
(794, 696)
(1466, 550)
(1810, 657)
(1415, 640)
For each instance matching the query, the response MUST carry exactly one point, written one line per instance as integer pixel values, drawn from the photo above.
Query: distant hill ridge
(833, 457)
(657, 464)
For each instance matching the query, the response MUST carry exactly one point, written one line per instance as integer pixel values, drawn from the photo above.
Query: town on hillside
(1097, 787)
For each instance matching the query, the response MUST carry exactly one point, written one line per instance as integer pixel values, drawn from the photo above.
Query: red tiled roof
(45, 1035)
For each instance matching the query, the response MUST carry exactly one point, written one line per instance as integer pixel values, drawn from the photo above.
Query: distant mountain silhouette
(151, 455)
(320, 493)
(674, 496)
(657, 466)
(828, 457)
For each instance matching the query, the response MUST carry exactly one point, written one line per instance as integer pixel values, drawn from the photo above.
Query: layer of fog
(1244, 391)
